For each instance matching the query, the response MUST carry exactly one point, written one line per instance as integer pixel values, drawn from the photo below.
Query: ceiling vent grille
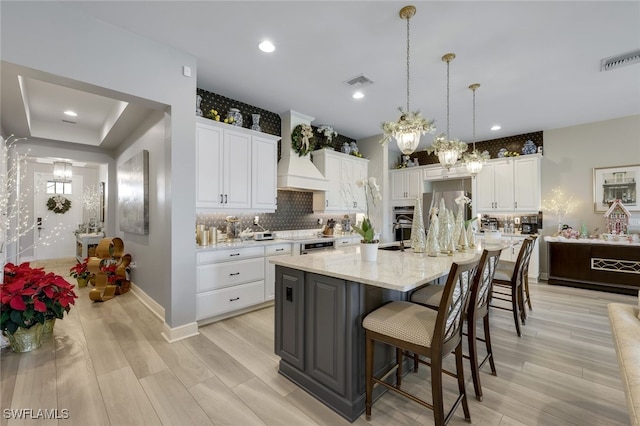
(69, 122)
(629, 58)
(358, 81)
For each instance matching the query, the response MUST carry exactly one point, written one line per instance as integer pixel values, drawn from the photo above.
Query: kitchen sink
(390, 248)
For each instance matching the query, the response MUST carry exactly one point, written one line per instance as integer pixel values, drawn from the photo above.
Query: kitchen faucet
(396, 226)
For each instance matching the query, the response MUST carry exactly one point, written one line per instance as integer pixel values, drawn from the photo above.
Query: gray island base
(320, 302)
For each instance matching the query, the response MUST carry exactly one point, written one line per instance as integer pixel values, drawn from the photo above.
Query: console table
(594, 265)
(86, 245)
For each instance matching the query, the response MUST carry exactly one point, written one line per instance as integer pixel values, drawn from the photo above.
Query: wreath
(302, 139)
(58, 204)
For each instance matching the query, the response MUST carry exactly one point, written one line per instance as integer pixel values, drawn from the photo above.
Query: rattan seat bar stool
(508, 286)
(478, 308)
(432, 334)
(508, 265)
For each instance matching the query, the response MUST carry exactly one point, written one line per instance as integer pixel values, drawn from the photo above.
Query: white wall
(571, 154)
(52, 38)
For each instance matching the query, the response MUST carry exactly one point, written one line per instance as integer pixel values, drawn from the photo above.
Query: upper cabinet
(235, 167)
(508, 184)
(342, 172)
(406, 184)
(437, 172)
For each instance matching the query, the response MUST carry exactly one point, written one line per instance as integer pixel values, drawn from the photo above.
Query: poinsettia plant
(80, 270)
(30, 296)
(110, 269)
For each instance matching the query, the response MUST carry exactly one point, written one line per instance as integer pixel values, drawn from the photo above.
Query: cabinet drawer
(347, 241)
(228, 255)
(219, 275)
(217, 302)
(278, 249)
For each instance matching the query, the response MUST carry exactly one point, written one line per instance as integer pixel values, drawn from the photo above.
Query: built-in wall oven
(402, 222)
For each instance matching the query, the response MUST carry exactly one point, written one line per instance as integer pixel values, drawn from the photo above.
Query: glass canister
(233, 228)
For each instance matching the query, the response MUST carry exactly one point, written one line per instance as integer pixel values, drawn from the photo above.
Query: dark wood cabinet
(289, 312)
(605, 267)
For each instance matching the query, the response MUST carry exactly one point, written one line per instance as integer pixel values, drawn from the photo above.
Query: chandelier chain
(474, 119)
(448, 62)
(408, 38)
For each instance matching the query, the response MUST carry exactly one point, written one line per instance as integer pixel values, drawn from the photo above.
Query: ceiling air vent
(608, 64)
(69, 121)
(358, 82)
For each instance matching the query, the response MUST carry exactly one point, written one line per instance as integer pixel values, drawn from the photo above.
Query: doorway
(53, 236)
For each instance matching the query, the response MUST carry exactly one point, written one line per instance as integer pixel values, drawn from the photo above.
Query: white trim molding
(152, 305)
(172, 335)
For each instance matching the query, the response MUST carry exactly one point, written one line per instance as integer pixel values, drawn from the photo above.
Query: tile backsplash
(294, 212)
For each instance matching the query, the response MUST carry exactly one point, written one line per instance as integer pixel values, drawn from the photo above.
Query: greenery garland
(302, 140)
(58, 204)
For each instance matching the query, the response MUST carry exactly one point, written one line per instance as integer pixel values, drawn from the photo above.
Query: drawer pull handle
(234, 299)
(279, 249)
(234, 273)
(234, 254)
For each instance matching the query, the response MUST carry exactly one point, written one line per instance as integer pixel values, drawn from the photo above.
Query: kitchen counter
(279, 240)
(394, 270)
(320, 301)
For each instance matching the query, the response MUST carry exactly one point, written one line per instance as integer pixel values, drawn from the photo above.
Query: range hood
(294, 172)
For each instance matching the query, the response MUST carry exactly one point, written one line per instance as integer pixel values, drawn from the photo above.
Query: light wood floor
(108, 365)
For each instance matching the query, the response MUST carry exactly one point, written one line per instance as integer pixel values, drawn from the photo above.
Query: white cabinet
(270, 268)
(511, 254)
(348, 241)
(406, 184)
(264, 172)
(235, 167)
(342, 171)
(508, 185)
(228, 280)
(437, 172)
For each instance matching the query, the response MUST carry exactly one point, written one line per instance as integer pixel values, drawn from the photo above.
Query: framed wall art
(133, 194)
(616, 183)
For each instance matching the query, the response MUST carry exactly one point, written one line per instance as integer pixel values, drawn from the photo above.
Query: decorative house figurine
(617, 218)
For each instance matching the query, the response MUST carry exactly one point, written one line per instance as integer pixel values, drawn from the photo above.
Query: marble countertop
(284, 240)
(394, 270)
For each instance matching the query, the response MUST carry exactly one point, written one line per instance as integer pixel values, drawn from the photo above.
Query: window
(58, 187)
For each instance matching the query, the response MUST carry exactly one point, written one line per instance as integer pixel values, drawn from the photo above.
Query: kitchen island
(320, 301)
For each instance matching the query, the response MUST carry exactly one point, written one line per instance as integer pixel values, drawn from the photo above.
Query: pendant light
(411, 125)
(61, 171)
(475, 160)
(447, 150)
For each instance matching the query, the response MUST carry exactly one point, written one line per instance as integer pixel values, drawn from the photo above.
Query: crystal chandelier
(447, 150)
(411, 125)
(475, 160)
(61, 171)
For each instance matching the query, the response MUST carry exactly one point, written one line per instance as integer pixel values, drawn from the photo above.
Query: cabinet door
(348, 187)
(414, 184)
(334, 197)
(264, 174)
(503, 185)
(325, 347)
(398, 191)
(289, 316)
(361, 171)
(209, 188)
(483, 197)
(237, 169)
(527, 184)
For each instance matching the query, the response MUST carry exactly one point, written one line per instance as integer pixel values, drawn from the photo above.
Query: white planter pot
(369, 252)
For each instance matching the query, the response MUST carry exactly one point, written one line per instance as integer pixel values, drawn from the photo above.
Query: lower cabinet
(228, 280)
(270, 268)
(289, 316)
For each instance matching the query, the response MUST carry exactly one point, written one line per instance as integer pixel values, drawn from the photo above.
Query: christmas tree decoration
(433, 247)
(418, 236)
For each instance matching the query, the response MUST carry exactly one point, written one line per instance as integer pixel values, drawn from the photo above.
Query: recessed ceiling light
(496, 127)
(266, 46)
(358, 95)
(70, 113)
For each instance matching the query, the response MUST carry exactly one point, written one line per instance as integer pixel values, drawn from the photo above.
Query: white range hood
(294, 172)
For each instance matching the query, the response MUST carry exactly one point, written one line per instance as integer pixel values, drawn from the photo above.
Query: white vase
(369, 252)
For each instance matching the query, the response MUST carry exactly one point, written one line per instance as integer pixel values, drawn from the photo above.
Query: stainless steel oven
(402, 221)
(310, 247)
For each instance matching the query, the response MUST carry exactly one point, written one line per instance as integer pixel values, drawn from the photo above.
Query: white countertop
(285, 240)
(394, 270)
(618, 242)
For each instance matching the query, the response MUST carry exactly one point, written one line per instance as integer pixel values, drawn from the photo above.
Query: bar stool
(508, 265)
(508, 286)
(478, 309)
(433, 334)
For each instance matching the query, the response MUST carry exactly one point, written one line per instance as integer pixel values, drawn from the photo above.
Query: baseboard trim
(172, 335)
(155, 308)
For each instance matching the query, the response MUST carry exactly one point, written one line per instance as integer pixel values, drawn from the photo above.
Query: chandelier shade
(411, 125)
(62, 171)
(475, 160)
(447, 150)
